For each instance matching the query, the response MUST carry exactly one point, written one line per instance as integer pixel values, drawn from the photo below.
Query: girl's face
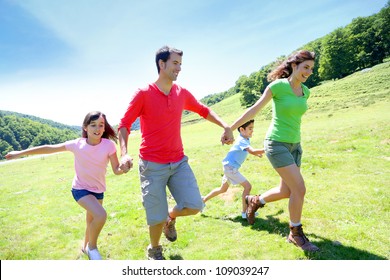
(247, 131)
(303, 70)
(95, 130)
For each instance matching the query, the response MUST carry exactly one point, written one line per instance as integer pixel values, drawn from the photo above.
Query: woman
(282, 143)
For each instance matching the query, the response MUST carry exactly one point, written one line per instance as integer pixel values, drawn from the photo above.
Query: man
(162, 161)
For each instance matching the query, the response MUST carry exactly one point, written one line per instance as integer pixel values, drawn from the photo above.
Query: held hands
(227, 136)
(126, 163)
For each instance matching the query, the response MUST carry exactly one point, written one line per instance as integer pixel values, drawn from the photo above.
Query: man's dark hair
(164, 53)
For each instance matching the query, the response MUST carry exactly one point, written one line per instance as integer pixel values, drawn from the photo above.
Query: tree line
(361, 44)
(19, 132)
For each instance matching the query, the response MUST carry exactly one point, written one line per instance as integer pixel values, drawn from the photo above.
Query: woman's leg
(293, 180)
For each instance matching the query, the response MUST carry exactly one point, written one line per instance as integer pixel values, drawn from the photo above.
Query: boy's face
(248, 131)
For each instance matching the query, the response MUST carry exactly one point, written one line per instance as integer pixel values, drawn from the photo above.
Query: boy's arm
(255, 152)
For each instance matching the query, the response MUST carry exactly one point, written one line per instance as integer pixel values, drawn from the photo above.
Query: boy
(233, 161)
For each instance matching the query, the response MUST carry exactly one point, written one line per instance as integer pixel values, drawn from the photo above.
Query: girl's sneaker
(93, 254)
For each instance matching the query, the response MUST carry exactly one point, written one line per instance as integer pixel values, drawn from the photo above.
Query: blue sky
(60, 59)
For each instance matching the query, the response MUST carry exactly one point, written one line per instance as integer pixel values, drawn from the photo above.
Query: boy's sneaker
(93, 254)
(243, 215)
(253, 203)
(155, 253)
(170, 230)
(299, 239)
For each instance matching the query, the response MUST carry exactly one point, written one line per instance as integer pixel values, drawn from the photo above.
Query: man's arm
(126, 161)
(214, 118)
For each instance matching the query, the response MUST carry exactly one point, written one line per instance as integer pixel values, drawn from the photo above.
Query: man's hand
(126, 163)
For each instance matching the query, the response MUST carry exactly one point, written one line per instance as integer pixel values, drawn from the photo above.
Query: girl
(282, 144)
(91, 155)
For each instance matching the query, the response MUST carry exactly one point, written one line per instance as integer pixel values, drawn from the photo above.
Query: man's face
(171, 67)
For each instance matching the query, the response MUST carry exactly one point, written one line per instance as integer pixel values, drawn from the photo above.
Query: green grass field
(346, 165)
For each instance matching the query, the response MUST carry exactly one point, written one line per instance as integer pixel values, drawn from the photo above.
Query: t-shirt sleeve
(133, 110)
(244, 144)
(191, 104)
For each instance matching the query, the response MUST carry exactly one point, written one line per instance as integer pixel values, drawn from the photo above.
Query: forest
(361, 44)
(18, 131)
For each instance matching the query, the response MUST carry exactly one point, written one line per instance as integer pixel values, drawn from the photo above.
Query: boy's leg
(247, 190)
(217, 191)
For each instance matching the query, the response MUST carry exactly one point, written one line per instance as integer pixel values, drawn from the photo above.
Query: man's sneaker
(92, 254)
(299, 239)
(155, 253)
(170, 230)
(253, 203)
(243, 215)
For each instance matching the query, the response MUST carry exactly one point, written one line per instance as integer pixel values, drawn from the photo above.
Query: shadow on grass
(174, 257)
(329, 249)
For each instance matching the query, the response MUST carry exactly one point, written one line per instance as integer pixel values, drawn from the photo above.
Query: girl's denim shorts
(77, 194)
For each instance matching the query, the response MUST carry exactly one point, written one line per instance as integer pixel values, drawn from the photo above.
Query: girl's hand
(126, 163)
(12, 155)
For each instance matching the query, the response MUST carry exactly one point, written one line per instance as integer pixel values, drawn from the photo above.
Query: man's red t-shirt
(160, 120)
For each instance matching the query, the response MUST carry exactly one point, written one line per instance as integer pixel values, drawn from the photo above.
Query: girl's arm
(115, 164)
(45, 149)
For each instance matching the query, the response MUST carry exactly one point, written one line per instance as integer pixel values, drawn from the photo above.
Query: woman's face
(303, 70)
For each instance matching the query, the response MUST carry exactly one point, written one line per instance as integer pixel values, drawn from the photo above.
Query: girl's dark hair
(284, 69)
(245, 124)
(164, 53)
(109, 132)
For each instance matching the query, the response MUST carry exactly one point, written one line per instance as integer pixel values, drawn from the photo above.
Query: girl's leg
(223, 188)
(247, 190)
(96, 217)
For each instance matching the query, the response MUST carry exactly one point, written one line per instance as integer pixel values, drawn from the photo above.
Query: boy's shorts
(231, 175)
(77, 194)
(181, 182)
(282, 154)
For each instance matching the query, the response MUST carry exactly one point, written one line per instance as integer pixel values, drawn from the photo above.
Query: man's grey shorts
(282, 154)
(181, 182)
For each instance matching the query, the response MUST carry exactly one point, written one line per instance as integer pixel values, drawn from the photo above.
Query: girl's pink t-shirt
(90, 163)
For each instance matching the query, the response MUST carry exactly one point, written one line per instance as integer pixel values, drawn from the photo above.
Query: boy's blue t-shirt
(237, 154)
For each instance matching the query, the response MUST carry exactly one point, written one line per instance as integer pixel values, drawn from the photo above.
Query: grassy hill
(346, 165)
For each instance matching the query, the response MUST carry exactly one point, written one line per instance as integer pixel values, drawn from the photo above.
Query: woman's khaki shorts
(282, 154)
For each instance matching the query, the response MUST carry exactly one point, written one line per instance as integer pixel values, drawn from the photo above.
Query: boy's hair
(109, 132)
(164, 53)
(245, 125)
